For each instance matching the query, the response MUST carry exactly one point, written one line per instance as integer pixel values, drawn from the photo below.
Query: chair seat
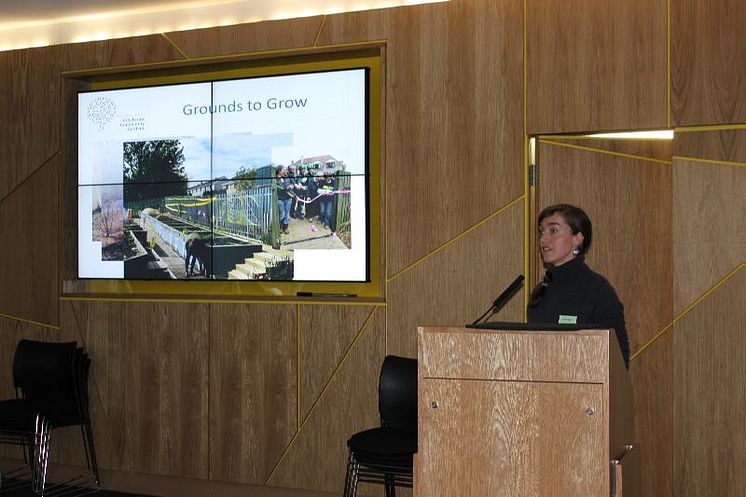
(383, 442)
(24, 411)
(18, 414)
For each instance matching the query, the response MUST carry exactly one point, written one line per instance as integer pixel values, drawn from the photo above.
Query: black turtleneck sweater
(577, 295)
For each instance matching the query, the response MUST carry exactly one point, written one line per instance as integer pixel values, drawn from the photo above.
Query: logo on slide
(101, 111)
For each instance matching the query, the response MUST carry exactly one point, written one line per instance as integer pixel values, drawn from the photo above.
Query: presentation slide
(262, 178)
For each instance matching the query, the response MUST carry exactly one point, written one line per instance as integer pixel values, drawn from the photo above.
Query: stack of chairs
(51, 383)
(384, 455)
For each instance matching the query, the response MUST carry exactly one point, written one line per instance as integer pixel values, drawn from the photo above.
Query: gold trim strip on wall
(297, 365)
(226, 59)
(712, 127)
(30, 175)
(688, 308)
(385, 331)
(176, 47)
(593, 135)
(710, 161)
(218, 300)
(320, 396)
(668, 63)
(602, 151)
(318, 33)
(528, 199)
(527, 196)
(29, 321)
(455, 238)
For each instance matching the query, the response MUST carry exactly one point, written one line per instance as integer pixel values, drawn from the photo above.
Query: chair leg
(355, 478)
(90, 451)
(45, 443)
(390, 487)
(348, 491)
(40, 455)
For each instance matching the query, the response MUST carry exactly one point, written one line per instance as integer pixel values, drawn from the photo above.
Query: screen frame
(369, 57)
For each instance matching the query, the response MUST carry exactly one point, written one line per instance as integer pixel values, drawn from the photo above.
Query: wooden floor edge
(170, 486)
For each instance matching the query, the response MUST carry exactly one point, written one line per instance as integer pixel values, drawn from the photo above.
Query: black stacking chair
(384, 455)
(51, 381)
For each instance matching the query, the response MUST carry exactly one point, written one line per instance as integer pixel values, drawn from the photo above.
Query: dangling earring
(576, 250)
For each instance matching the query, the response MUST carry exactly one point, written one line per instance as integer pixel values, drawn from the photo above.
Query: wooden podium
(523, 413)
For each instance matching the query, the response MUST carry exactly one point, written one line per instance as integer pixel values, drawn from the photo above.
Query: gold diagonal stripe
(318, 33)
(31, 175)
(176, 47)
(710, 161)
(321, 395)
(29, 321)
(689, 308)
(602, 151)
(455, 238)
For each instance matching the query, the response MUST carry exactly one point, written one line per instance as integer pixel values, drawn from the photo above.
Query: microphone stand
(502, 299)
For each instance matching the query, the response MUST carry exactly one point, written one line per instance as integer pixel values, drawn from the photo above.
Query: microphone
(503, 298)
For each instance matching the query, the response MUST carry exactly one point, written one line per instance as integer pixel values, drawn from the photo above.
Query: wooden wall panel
(457, 284)
(317, 455)
(29, 229)
(120, 52)
(656, 150)
(722, 145)
(629, 203)
(454, 143)
(245, 38)
(29, 136)
(652, 385)
(253, 354)
(708, 46)
(708, 239)
(326, 333)
(149, 383)
(708, 205)
(453, 157)
(101, 330)
(709, 395)
(595, 65)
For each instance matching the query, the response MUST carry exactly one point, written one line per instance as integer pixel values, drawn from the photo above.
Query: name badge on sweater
(568, 319)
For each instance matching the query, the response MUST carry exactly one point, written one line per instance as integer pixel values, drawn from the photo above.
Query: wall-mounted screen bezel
(365, 283)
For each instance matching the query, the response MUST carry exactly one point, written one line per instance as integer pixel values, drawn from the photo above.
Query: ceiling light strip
(174, 17)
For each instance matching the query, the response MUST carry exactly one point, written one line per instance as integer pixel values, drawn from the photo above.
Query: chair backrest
(397, 393)
(46, 371)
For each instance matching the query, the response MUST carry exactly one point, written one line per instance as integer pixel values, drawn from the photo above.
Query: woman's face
(556, 240)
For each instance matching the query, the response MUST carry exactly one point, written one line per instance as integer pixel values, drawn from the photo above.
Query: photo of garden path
(310, 234)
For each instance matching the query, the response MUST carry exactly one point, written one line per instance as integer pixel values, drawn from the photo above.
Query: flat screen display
(262, 178)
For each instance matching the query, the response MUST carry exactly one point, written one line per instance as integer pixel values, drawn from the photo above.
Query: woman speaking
(571, 293)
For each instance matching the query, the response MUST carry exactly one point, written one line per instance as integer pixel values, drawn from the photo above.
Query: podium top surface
(505, 325)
